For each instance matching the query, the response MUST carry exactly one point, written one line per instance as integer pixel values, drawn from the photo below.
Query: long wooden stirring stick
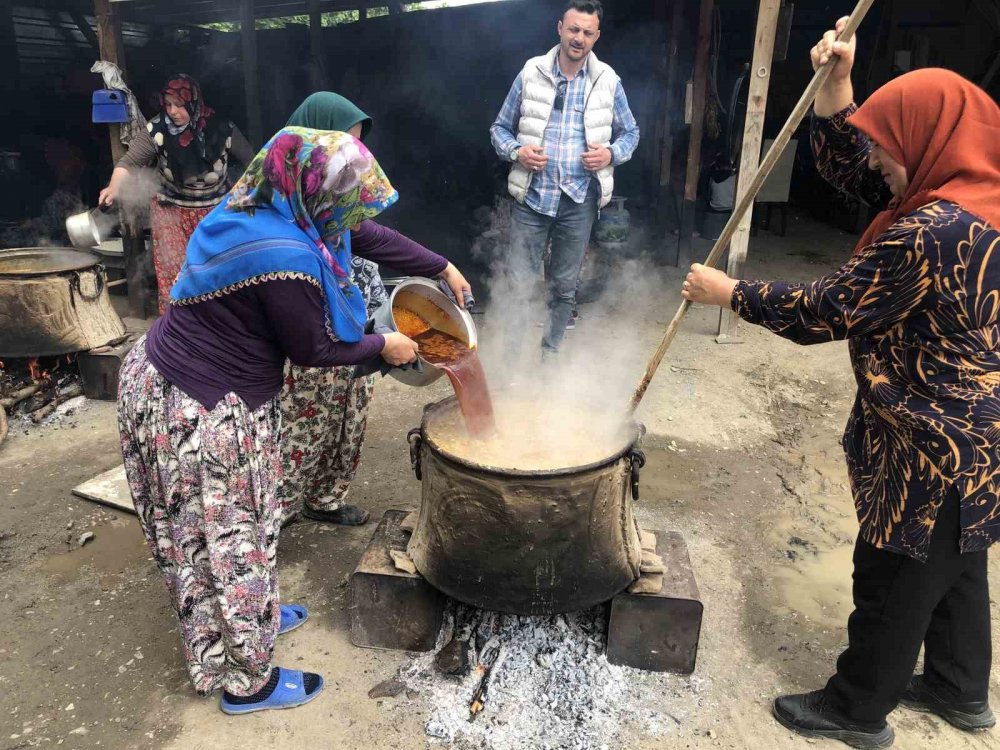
(794, 119)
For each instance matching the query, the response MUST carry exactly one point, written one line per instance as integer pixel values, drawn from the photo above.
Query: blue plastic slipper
(292, 616)
(289, 693)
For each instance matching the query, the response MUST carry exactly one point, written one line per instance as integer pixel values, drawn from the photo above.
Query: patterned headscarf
(304, 186)
(328, 180)
(187, 91)
(208, 135)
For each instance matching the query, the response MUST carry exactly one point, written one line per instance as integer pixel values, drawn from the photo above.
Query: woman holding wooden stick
(919, 302)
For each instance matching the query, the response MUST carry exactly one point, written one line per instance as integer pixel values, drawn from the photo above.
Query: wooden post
(670, 114)
(663, 190)
(108, 38)
(661, 103)
(137, 279)
(251, 86)
(705, 20)
(753, 137)
(317, 73)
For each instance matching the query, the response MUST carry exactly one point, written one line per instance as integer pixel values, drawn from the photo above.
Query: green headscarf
(326, 110)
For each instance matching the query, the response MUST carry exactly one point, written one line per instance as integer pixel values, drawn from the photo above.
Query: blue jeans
(530, 233)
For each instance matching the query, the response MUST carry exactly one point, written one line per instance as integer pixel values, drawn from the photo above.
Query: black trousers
(901, 603)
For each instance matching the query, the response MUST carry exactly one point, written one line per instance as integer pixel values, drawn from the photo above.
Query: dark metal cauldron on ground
(525, 542)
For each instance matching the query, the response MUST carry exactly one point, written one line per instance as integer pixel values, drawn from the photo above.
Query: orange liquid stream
(460, 363)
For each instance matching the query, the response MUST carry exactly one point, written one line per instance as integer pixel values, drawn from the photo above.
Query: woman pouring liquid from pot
(265, 281)
(191, 147)
(918, 303)
(324, 410)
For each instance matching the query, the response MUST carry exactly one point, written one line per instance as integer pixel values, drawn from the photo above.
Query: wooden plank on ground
(109, 488)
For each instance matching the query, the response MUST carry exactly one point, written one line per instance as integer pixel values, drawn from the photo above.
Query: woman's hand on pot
(708, 286)
(457, 283)
(108, 196)
(399, 350)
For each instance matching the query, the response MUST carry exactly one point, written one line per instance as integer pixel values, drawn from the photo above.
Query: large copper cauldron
(525, 542)
(54, 301)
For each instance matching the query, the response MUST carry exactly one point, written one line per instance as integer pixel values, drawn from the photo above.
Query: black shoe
(345, 515)
(970, 717)
(809, 714)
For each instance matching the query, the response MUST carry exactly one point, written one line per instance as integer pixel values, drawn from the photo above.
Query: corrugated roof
(179, 12)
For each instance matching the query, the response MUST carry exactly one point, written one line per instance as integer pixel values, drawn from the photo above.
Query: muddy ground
(744, 460)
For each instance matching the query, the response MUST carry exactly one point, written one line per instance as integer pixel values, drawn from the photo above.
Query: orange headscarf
(946, 132)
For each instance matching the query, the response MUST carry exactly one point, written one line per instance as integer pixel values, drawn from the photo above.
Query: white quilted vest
(537, 97)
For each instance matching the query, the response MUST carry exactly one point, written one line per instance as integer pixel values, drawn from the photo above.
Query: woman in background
(191, 146)
(325, 410)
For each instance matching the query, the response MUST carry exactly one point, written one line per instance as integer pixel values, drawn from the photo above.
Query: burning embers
(34, 388)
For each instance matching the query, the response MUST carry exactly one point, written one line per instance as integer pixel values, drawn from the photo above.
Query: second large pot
(54, 301)
(525, 542)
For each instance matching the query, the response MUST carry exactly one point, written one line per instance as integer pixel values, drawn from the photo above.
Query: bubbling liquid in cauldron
(535, 435)
(526, 431)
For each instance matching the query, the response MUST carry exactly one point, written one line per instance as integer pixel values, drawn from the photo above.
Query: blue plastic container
(109, 105)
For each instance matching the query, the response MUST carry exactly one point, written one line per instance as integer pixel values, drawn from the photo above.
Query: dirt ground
(744, 460)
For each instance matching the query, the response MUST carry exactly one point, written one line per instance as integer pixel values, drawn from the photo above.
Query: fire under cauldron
(525, 542)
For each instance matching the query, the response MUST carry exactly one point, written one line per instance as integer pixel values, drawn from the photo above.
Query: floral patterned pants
(172, 227)
(324, 417)
(204, 487)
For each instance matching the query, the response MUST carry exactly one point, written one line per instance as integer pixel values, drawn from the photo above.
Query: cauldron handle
(98, 283)
(637, 459)
(416, 441)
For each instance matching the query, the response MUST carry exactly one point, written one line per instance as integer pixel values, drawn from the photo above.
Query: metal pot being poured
(532, 531)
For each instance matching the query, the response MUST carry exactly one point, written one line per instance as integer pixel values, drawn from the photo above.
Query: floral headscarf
(306, 188)
(187, 91)
(329, 182)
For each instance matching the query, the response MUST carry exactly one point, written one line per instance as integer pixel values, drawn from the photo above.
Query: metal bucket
(425, 298)
(525, 542)
(90, 228)
(54, 301)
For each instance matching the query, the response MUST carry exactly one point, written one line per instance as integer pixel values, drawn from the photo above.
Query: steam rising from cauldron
(600, 362)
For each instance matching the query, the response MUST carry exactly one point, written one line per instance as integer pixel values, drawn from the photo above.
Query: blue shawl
(289, 216)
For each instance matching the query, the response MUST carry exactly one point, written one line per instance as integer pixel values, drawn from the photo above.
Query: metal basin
(426, 299)
(525, 542)
(41, 261)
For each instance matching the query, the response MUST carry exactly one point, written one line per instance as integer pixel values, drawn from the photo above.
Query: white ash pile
(508, 682)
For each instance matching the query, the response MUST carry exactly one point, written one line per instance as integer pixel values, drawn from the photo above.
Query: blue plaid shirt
(564, 140)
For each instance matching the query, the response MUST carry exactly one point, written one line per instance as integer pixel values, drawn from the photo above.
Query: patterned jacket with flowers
(920, 308)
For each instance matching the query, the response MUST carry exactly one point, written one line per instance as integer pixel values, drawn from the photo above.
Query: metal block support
(392, 609)
(659, 632)
(99, 369)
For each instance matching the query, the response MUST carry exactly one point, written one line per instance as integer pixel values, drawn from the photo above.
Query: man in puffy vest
(565, 125)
